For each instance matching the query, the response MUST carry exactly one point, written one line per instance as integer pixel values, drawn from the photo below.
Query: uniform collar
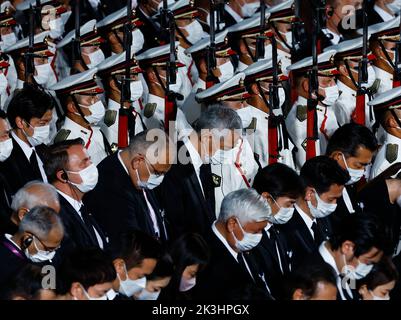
(235, 15)
(301, 101)
(345, 90)
(155, 99)
(73, 126)
(392, 139)
(112, 105)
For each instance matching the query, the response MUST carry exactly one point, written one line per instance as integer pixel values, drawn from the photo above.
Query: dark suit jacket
(181, 196)
(151, 31)
(11, 262)
(224, 278)
(77, 233)
(118, 206)
(17, 169)
(5, 202)
(341, 211)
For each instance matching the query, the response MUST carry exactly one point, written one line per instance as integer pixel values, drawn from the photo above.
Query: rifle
(76, 41)
(397, 59)
(260, 40)
(298, 31)
(29, 56)
(359, 112)
(313, 100)
(170, 107)
(211, 49)
(124, 112)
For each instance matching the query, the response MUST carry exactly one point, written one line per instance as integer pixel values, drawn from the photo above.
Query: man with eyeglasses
(71, 171)
(79, 96)
(38, 238)
(124, 199)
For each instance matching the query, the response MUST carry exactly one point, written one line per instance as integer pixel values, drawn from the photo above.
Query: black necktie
(274, 238)
(205, 176)
(35, 166)
(88, 224)
(316, 234)
(241, 261)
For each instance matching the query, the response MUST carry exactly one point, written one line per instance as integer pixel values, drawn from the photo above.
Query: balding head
(34, 193)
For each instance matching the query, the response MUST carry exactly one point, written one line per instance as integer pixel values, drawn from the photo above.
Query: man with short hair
(238, 229)
(136, 260)
(323, 181)
(353, 147)
(73, 174)
(187, 192)
(125, 188)
(29, 113)
(38, 237)
(34, 193)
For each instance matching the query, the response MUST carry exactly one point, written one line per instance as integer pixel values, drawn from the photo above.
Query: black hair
(56, 157)
(88, 266)
(137, 246)
(279, 180)
(348, 138)
(364, 230)
(187, 250)
(164, 268)
(27, 284)
(322, 172)
(382, 273)
(3, 115)
(307, 278)
(29, 103)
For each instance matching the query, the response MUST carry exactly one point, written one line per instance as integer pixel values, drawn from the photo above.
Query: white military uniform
(345, 106)
(191, 70)
(296, 123)
(386, 80)
(389, 153)
(93, 138)
(228, 177)
(109, 125)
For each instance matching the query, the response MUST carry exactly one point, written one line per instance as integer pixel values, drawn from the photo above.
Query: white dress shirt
(308, 221)
(196, 160)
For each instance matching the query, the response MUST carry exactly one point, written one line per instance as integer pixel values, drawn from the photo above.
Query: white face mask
(6, 147)
(40, 255)
(377, 297)
(95, 58)
(130, 287)
(138, 40)
(43, 73)
(153, 180)
(224, 156)
(361, 270)
(285, 61)
(282, 216)
(104, 297)
(331, 95)
(323, 208)
(97, 112)
(56, 28)
(226, 70)
(371, 76)
(136, 89)
(3, 84)
(40, 135)
(186, 285)
(249, 9)
(147, 295)
(177, 85)
(281, 96)
(250, 240)
(394, 6)
(194, 30)
(355, 174)
(89, 176)
(8, 40)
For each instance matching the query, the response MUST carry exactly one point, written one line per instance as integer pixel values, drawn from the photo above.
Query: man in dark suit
(29, 113)
(231, 272)
(123, 199)
(352, 251)
(281, 187)
(187, 192)
(353, 147)
(150, 27)
(71, 171)
(324, 182)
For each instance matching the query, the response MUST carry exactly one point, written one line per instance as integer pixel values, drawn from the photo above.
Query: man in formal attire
(38, 237)
(352, 251)
(80, 97)
(73, 174)
(281, 187)
(323, 180)
(123, 199)
(34, 193)
(150, 26)
(353, 147)
(231, 274)
(29, 114)
(187, 192)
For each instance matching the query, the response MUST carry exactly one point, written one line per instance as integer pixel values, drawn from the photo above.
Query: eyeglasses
(155, 172)
(46, 248)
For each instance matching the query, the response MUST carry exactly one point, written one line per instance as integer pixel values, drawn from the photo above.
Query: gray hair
(41, 221)
(245, 204)
(33, 194)
(219, 117)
